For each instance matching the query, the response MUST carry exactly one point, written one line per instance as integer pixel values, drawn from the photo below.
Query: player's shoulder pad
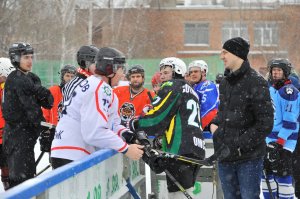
(289, 92)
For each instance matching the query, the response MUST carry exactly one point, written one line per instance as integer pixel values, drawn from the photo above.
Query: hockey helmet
(109, 60)
(86, 54)
(16, 50)
(178, 66)
(282, 63)
(136, 69)
(67, 69)
(5, 67)
(200, 64)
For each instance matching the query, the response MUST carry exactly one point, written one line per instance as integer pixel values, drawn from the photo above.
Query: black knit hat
(237, 46)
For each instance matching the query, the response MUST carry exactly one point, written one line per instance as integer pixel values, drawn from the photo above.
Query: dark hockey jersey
(175, 115)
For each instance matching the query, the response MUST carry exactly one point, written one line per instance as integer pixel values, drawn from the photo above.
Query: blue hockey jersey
(286, 122)
(208, 99)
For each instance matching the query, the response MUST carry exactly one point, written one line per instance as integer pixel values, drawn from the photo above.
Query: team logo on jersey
(127, 111)
(107, 90)
(289, 90)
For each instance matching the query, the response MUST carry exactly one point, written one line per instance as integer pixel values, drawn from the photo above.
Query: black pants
(18, 145)
(184, 173)
(59, 162)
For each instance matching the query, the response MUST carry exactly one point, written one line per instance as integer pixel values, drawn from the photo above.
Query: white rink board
(96, 176)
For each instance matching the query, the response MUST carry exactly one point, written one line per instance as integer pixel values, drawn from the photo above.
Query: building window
(266, 34)
(237, 29)
(196, 34)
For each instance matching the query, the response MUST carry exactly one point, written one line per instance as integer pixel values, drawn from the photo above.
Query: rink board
(99, 175)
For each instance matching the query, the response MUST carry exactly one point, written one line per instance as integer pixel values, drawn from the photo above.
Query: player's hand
(135, 151)
(213, 128)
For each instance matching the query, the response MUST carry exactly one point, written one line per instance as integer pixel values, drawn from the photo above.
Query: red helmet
(156, 79)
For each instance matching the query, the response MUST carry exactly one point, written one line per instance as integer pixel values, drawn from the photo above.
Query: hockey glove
(273, 151)
(132, 124)
(157, 164)
(46, 139)
(128, 136)
(157, 142)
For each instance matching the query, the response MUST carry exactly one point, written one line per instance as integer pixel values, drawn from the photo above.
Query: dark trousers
(18, 145)
(21, 164)
(184, 173)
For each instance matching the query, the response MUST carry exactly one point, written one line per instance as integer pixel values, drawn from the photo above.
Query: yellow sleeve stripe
(170, 130)
(156, 108)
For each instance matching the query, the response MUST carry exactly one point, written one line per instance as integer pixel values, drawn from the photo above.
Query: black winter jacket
(23, 98)
(245, 114)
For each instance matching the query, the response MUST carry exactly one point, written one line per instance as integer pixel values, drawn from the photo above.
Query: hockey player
(66, 74)
(23, 98)
(5, 69)
(206, 91)
(133, 99)
(86, 60)
(281, 143)
(91, 120)
(175, 116)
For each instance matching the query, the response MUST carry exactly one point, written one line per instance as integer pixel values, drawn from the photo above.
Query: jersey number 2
(192, 105)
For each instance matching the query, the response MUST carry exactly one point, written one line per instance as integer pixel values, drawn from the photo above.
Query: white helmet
(178, 66)
(200, 64)
(6, 67)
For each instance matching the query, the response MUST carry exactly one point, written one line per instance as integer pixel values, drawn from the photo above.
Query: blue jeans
(241, 180)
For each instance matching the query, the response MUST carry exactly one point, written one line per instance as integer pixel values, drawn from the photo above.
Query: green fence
(48, 71)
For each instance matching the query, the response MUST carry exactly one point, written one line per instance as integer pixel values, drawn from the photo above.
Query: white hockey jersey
(90, 122)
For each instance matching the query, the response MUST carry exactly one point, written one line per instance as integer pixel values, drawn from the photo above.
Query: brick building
(196, 31)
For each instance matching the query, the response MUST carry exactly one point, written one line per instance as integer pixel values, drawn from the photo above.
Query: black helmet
(284, 64)
(109, 60)
(86, 54)
(219, 78)
(67, 69)
(135, 69)
(16, 50)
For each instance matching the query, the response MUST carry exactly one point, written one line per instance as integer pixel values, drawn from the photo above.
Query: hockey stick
(187, 195)
(222, 153)
(39, 158)
(268, 184)
(44, 169)
(131, 190)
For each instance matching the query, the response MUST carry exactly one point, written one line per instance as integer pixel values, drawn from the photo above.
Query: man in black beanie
(244, 120)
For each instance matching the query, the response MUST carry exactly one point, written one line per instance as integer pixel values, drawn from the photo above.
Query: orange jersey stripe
(97, 101)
